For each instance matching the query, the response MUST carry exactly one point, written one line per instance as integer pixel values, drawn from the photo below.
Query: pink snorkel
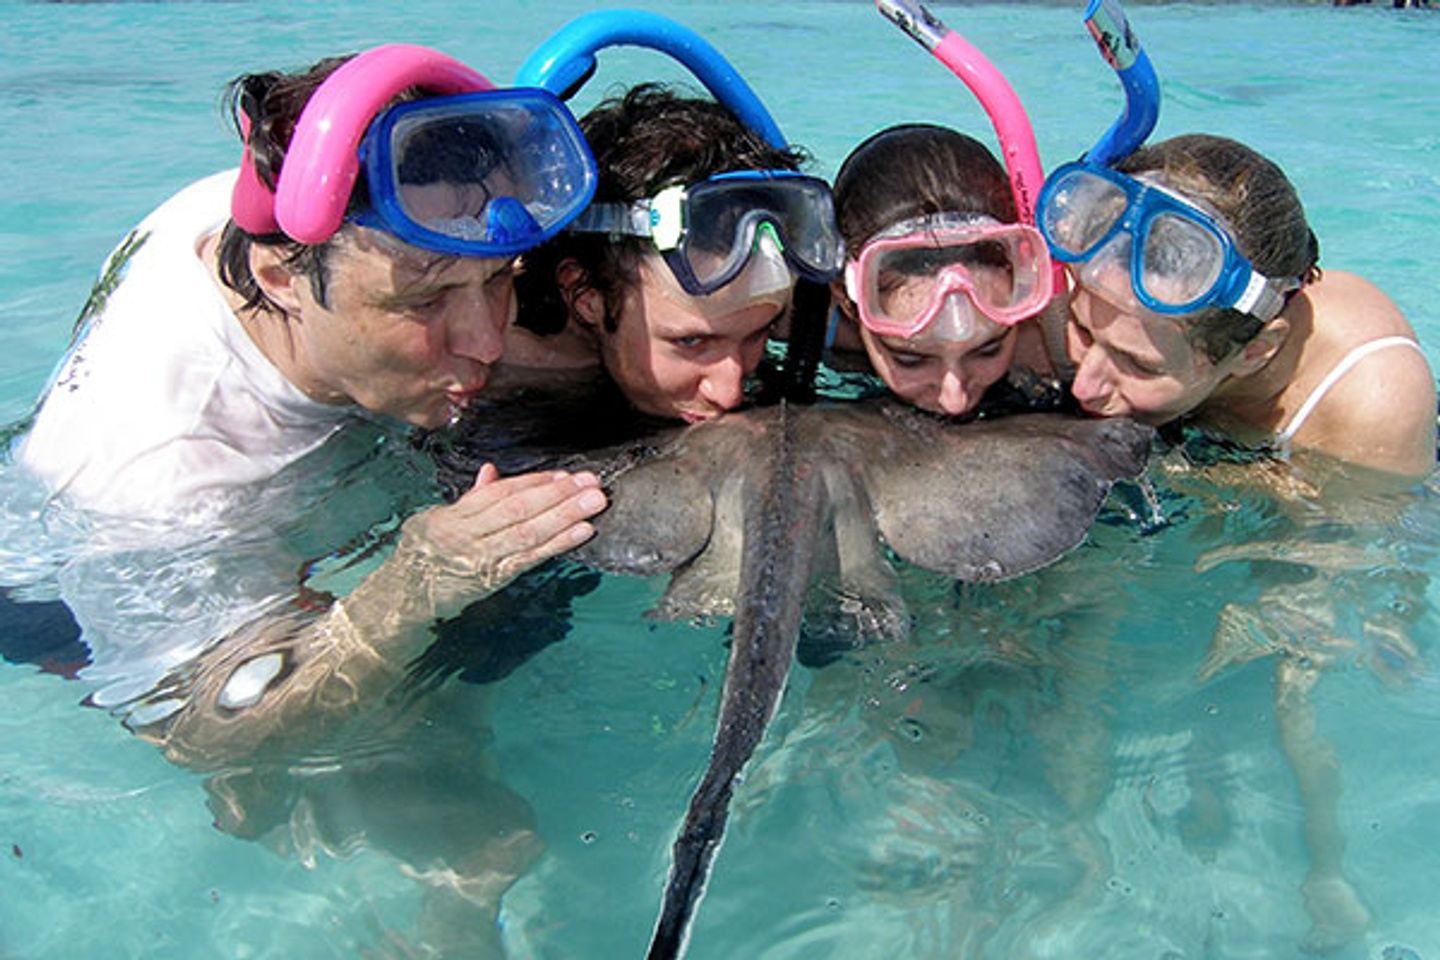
(1012, 125)
(322, 161)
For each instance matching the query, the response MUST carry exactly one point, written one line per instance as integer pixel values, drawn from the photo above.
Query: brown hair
(648, 139)
(1259, 205)
(915, 170)
(272, 102)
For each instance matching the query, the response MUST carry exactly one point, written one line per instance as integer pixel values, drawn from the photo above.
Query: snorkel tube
(322, 162)
(563, 64)
(1002, 105)
(1106, 21)
(1012, 125)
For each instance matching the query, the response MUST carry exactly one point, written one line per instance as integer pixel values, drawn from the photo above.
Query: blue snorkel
(1105, 19)
(564, 63)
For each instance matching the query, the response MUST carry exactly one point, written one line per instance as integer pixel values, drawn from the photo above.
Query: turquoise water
(1042, 771)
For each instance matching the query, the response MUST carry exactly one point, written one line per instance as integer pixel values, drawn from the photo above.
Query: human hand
(497, 530)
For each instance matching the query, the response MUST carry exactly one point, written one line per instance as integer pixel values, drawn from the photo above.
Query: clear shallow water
(1040, 772)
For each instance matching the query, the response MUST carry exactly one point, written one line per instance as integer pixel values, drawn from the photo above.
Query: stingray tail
(777, 561)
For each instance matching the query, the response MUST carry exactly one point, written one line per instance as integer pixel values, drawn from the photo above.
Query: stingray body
(746, 510)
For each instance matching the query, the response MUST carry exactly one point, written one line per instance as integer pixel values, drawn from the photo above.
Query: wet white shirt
(164, 408)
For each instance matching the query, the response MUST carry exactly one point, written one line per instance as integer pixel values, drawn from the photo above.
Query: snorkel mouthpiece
(1106, 21)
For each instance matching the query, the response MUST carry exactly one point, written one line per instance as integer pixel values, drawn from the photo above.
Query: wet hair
(646, 140)
(915, 170)
(1260, 206)
(272, 103)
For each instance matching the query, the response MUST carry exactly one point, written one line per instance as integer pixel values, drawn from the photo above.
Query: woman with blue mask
(1197, 293)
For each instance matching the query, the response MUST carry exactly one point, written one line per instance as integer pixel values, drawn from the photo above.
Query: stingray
(745, 511)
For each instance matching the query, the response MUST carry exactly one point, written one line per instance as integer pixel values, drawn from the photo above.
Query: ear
(275, 278)
(1262, 347)
(584, 302)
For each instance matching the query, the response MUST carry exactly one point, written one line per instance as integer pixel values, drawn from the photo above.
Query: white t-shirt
(164, 408)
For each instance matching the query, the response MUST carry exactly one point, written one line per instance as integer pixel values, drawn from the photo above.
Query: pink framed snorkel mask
(1002, 105)
(322, 161)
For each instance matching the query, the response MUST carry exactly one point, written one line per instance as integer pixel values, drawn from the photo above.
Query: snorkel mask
(1012, 128)
(474, 171)
(708, 232)
(936, 276)
(1137, 243)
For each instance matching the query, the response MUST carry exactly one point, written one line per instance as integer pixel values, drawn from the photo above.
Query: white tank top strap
(1339, 370)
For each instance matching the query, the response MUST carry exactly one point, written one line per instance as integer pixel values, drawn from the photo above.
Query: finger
(496, 486)
(513, 500)
(527, 521)
(566, 540)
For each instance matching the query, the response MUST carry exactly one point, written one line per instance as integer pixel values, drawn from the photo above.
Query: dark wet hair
(645, 140)
(1260, 206)
(272, 103)
(915, 170)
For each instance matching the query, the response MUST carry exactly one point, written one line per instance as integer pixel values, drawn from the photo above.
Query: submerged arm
(289, 679)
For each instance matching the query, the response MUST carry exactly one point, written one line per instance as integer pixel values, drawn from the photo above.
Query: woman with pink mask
(940, 276)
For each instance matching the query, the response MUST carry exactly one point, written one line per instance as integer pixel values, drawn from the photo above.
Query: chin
(433, 417)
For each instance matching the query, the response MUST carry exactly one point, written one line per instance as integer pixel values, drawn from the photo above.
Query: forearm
(299, 679)
(285, 681)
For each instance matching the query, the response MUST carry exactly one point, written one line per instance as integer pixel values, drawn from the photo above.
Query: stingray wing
(675, 505)
(659, 517)
(995, 499)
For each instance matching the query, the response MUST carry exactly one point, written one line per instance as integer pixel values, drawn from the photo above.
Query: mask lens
(1002, 269)
(724, 216)
(1183, 261)
(1080, 210)
(1108, 273)
(482, 173)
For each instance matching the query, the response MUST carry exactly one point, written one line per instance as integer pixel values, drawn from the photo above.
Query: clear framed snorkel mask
(708, 232)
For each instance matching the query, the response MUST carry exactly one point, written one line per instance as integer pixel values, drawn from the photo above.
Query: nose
(1092, 383)
(475, 332)
(955, 397)
(723, 382)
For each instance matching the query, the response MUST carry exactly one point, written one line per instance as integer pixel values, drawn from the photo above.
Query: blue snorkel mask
(1135, 242)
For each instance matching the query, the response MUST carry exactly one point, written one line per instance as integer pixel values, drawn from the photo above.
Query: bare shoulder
(1381, 412)
(1354, 308)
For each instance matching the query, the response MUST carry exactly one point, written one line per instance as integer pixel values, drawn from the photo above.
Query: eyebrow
(426, 270)
(1141, 359)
